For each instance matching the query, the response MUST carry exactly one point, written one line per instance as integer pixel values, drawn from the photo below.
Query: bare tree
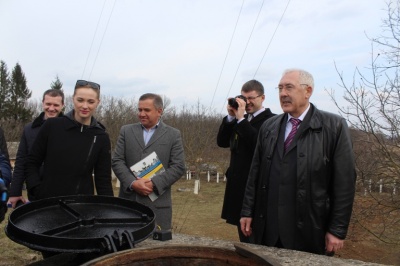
(373, 112)
(114, 113)
(199, 131)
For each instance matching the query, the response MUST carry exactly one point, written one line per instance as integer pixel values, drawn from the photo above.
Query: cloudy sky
(189, 50)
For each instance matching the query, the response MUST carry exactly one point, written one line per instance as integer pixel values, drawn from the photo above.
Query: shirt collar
(301, 117)
(153, 128)
(258, 112)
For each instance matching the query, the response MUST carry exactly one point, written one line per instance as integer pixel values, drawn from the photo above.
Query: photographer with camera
(238, 131)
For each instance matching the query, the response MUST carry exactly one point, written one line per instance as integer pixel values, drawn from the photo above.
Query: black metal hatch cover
(81, 224)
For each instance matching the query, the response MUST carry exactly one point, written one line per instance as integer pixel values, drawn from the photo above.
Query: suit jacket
(130, 149)
(242, 139)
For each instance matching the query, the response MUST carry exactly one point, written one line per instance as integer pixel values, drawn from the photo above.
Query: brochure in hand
(148, 168)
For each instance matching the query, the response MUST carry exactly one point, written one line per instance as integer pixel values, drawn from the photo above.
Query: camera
(232, 101)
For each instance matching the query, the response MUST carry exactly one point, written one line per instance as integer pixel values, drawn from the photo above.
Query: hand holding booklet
(147, 168)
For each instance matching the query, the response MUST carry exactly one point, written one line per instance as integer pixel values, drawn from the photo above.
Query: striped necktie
(295, 123)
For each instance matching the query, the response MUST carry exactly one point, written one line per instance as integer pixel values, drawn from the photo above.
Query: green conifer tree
(57, 84)
(4, 89)
(19, 96)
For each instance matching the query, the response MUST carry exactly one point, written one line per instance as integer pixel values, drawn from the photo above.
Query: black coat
(325, 181)
(28, 137)
(70, 152)
(241, 138)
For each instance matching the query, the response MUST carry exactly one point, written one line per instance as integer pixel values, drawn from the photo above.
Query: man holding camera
(239, 131)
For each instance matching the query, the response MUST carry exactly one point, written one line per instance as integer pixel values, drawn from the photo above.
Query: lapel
(281, 135)
(138, 134)
(304, 126)
(158, 133)
(259, 117)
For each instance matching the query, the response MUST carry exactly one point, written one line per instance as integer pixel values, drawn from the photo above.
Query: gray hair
(157, 100)
(304, 76)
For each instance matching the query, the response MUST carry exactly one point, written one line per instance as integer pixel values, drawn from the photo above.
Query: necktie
(249, 117)
(295, 123)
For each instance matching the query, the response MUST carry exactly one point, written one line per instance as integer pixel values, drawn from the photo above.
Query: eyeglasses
(83, 83)
(289, 87)
(253, 98)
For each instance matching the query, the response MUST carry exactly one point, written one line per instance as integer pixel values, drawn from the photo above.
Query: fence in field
(380, 186)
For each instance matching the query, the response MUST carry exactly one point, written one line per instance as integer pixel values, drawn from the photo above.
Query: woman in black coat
(74, 150)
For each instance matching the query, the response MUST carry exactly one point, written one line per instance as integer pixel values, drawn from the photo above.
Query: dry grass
(200, 214)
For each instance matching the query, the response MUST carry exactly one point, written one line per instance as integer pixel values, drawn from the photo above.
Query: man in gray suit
(135, 142)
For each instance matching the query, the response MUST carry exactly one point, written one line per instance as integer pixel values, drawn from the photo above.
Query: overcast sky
(178, 47)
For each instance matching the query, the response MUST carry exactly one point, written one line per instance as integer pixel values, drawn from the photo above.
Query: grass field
(199, 215)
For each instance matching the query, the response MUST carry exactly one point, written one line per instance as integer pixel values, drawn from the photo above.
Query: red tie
(295, 123)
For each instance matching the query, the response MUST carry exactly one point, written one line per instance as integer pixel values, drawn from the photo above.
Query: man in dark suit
(239, 132)
(52, 105)
(135, 142)
(301, 185)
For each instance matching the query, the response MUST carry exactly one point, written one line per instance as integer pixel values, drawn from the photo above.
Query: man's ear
(309, 91)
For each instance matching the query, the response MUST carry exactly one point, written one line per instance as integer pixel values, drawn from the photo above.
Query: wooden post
(196, 186)
(217, 177)
(208, 176)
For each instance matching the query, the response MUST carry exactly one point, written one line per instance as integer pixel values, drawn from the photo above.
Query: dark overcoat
(323, 187)
(241, 138)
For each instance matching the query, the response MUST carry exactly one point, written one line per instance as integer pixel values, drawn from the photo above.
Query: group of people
(291, 178)
(70, 154)
(290, 182)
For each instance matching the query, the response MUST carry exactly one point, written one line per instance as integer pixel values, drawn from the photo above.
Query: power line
(251, 33)
(94, 35)
(102, 38)
(273, 35)
(226, 56)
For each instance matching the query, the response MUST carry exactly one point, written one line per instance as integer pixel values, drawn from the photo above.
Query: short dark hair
(158, 102)
(54, 93)
(253, 85)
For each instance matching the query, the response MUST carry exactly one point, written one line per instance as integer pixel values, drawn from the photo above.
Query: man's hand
(332, 243)
(238, 113)
(15, 200)
(143, 186)
(245, 225)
